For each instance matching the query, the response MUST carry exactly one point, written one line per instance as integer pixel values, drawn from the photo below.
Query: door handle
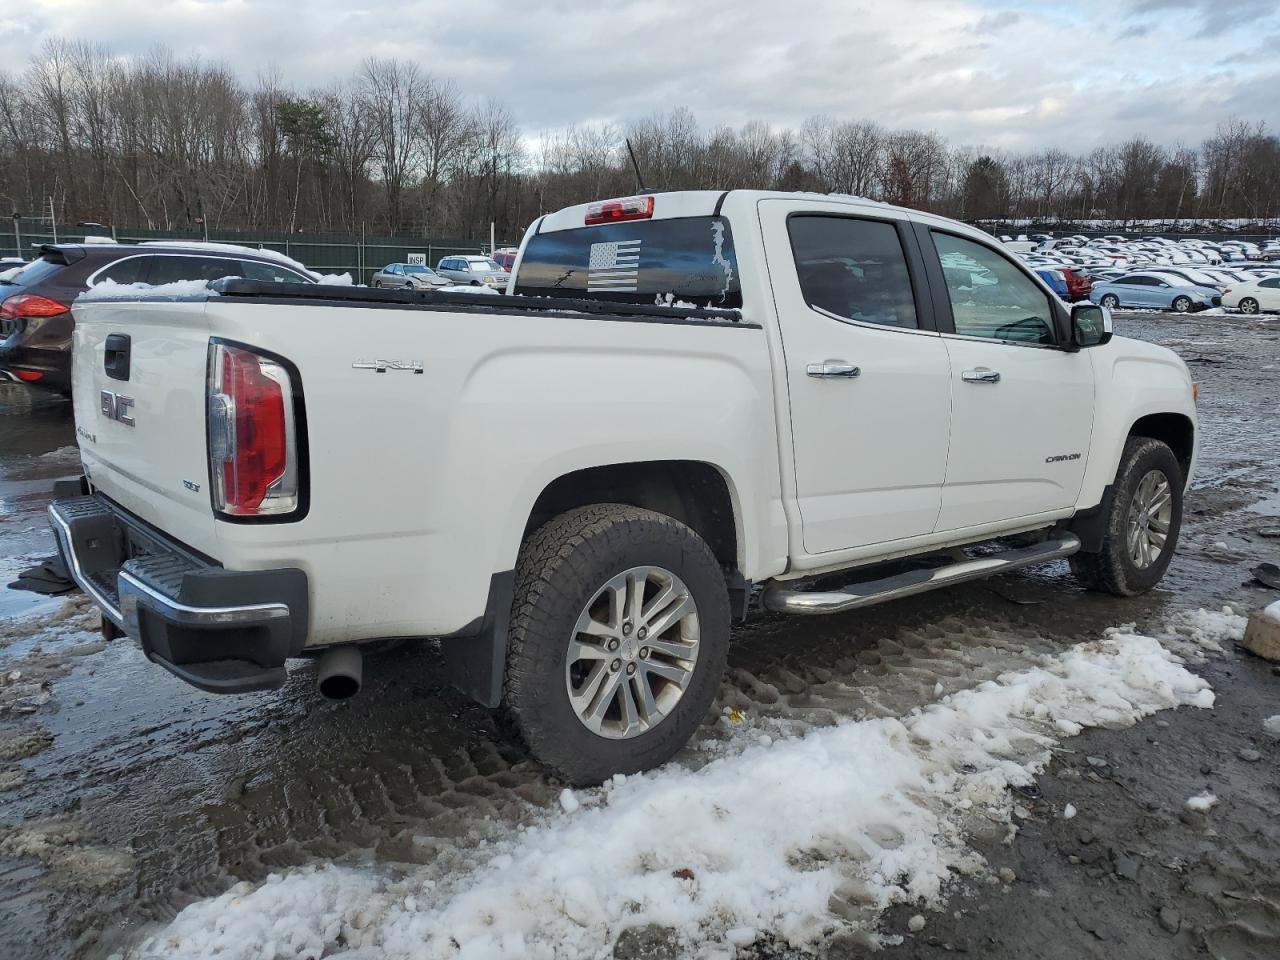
(833, 368)
(980, 375)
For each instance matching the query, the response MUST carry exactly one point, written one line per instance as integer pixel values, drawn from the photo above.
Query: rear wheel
(1145, 517)
(1110, 301)
(1182, 304)
(1248, 305)
(619, 635)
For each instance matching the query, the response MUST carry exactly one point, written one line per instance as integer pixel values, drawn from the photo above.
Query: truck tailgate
(141, 430)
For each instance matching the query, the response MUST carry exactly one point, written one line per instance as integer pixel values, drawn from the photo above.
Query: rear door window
(685, 259)
(173, 269)
(853, 269)
(128, 270)
(270, 272)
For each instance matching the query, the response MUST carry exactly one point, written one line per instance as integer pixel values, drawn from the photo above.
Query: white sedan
(1254, 296)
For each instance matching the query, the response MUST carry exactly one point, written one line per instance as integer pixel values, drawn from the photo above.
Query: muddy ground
(125, 795)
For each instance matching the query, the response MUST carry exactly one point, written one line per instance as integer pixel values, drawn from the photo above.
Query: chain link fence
(322, 252)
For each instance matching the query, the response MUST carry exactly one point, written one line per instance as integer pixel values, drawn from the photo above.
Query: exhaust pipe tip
(340, 672)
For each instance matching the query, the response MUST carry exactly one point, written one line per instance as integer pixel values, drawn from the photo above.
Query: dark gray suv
(35, 304)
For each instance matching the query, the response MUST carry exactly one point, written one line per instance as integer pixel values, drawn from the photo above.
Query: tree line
(166, 143)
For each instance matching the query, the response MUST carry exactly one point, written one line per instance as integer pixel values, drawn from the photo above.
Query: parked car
(1154, 291)
(474, 270)
(505, 258)
(1193, 276)
(35, 304)
(409, 276)
(1056, 281)
(1077, 280)
(1254, 296)
(585, 577)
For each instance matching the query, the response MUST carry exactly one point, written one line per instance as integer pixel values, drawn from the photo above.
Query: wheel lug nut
(615, 666)
(644, 653)
(613, 644)
(631, 668)
(626, 629)
(642, 633)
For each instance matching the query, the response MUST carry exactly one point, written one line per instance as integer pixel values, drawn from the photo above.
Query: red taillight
(28, 376)
(616, 211)
(30, 305)
(253, 458)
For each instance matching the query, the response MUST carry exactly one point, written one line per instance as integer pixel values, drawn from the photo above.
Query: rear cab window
(679, 260)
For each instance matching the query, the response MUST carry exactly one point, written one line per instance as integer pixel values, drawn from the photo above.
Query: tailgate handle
(115, 360)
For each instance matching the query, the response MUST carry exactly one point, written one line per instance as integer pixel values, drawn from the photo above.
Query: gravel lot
(126, 796)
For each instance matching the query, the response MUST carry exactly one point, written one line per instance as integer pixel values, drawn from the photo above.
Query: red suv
(1078, 283)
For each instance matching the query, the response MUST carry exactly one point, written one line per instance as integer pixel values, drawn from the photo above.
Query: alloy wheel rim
(632, 653)
(1150, 517)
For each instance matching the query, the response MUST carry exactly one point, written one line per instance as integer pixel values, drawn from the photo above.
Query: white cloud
(978, 71)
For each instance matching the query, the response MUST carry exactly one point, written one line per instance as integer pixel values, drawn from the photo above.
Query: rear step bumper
(220, 630)
(784, 599)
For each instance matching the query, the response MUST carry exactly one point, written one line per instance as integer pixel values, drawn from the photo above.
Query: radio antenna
(640, 188)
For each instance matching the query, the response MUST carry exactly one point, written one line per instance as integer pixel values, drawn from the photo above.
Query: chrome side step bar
(781, 598)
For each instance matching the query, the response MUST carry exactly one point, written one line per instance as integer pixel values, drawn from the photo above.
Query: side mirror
(1090, 325)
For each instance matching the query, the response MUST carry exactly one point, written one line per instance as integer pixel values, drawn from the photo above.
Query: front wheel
(1110, 301)
(1248, 305)
(1182, 304)
(1144, 519)
(619, 637)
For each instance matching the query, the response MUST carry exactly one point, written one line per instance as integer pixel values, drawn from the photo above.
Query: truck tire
(1143, 525)
(619, 636)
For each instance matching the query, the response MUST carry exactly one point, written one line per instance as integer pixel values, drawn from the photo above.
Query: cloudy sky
(1001, 73)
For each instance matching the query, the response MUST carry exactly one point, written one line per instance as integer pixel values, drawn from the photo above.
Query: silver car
(408, 276)
(474, 270)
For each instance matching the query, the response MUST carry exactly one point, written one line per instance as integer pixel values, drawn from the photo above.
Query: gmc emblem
(116, 406)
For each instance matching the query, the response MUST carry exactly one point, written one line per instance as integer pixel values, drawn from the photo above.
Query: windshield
(425, 271)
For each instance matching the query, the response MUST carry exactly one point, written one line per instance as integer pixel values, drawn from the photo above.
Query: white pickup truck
(687, 405)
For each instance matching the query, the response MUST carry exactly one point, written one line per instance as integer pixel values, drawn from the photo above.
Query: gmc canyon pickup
(686, 405)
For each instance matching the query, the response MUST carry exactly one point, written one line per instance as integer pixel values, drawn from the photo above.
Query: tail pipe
(339, 672)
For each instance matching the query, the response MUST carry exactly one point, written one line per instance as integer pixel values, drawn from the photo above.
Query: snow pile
(463, 288)
(1272, 725)
(10, 273)
(336, 280)
(1272, 612)
(1193, 632)
(179, 289)
(796, 837)
(1202, 802)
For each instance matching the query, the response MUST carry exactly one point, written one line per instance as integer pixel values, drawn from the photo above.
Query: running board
(783, 599)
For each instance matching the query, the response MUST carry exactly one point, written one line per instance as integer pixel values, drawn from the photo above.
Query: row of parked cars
(1182, 275)
(36, 295)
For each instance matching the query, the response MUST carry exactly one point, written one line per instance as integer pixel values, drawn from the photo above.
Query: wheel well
(693, 493)
(1172, 429)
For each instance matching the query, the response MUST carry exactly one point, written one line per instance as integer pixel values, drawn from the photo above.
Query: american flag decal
(614, 267)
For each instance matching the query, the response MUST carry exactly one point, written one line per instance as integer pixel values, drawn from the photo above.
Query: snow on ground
(795, 837)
